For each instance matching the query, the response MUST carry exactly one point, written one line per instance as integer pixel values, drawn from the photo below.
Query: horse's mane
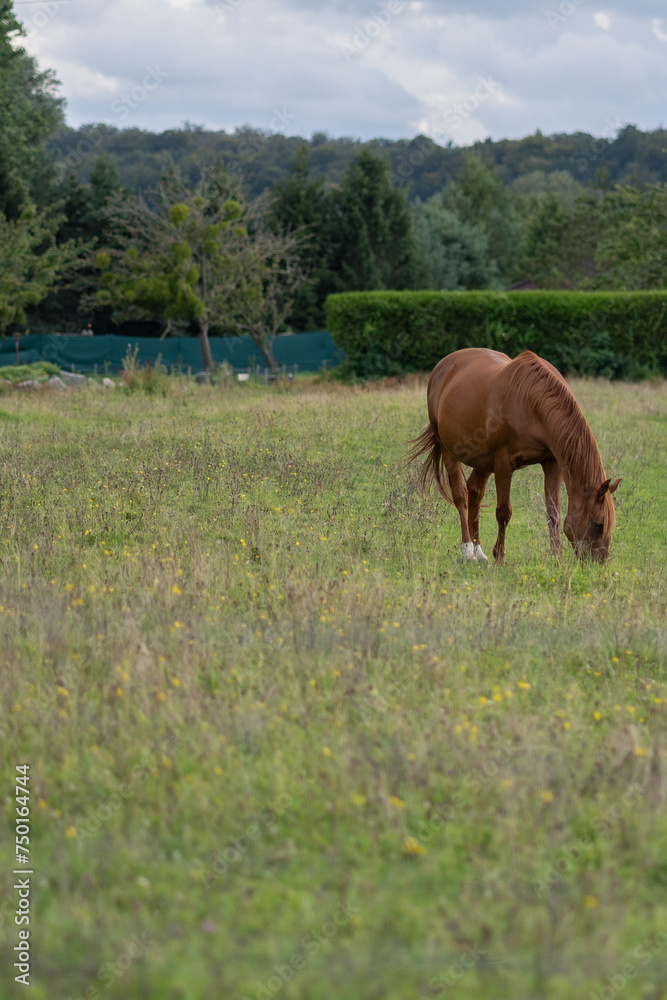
(535, 382)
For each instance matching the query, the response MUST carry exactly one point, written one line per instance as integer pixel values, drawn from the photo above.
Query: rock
(55, 382)
(29, 385)
(72, 379)
(202, 378)
(108, 383)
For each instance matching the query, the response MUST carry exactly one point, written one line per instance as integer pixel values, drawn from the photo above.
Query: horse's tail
(434, 465)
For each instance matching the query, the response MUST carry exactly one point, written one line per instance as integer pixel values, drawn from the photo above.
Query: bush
(617, 334)
(41, 371)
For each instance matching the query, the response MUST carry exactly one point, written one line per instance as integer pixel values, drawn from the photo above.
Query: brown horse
(497, 415)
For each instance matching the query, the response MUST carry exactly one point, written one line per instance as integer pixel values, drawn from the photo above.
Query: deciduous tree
(265, 296)
(191, 258)
(631, 253)
(30, 112)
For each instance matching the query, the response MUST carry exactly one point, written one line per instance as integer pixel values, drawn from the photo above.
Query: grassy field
(284, 743)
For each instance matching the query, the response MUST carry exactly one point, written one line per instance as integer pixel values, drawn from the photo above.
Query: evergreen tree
(84, 204)
(559, 244)
(453, 255)
(85, 221)
(373, 243)
(31, 262)
(300, 205)
(478, 198)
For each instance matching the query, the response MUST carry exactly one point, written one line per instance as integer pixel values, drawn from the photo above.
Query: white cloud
(81, 81)
(602, 20)
(659, 30)
(355, 67)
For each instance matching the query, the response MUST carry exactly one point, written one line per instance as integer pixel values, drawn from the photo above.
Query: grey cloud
(487, 9)
(282, 65)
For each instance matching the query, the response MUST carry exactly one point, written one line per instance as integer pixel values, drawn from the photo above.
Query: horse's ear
(607, 487)
(603, 489)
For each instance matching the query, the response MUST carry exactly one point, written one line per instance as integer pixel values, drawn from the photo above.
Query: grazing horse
(497, 415)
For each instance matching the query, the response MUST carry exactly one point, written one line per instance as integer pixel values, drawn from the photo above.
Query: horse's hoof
(479, 554)
(467, 550)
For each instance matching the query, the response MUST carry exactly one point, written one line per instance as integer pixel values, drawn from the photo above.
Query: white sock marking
(467, 550)
(479, 555)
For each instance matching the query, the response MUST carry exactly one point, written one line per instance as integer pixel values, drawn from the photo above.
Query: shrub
(40, 371)
(618, 334)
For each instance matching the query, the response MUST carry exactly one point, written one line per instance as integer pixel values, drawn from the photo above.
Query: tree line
(624, 155)
(205, 249)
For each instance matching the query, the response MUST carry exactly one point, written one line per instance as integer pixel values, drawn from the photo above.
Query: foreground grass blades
(283, 742)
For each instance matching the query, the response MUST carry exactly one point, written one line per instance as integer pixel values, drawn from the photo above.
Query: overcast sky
(452, 70)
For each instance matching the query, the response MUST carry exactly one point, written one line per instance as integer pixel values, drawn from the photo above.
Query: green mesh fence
(303, 351)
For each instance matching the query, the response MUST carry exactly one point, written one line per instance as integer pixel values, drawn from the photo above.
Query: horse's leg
(460, 497)
(552, 480)
(503, 476)
(476, 487)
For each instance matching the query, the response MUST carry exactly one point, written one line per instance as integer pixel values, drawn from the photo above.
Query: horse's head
(590, 521)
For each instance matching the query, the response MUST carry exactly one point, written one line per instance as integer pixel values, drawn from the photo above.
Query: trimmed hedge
(616, 334)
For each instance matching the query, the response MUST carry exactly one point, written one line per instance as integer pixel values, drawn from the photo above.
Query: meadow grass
(283, 742)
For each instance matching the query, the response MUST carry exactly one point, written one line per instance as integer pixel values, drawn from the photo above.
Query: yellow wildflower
(412, 847)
